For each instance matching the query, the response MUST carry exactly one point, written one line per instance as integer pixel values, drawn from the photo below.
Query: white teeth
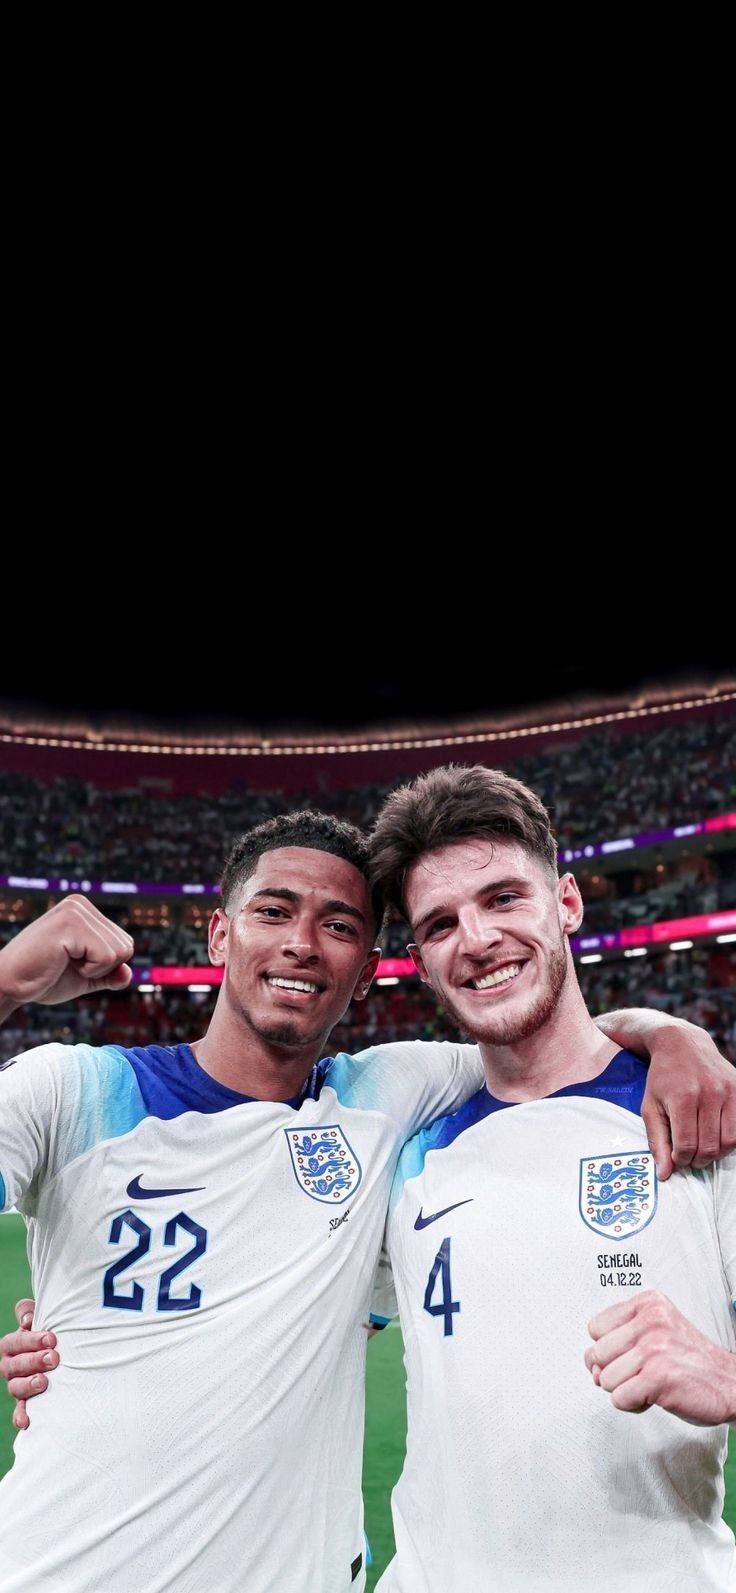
(293, 984)
(500, 976)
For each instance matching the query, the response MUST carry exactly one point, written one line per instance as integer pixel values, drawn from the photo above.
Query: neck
(568, 1049)
(237, 1056)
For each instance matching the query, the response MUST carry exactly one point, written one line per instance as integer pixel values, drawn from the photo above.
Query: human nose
(299, 941)
(478, 932)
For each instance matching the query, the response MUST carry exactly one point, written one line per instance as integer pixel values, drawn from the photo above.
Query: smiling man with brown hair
(515, 1219)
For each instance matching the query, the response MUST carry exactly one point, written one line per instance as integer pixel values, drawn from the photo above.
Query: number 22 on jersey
(133, 1298)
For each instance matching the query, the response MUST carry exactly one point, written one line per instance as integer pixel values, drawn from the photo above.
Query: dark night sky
(272, 684)
(309, 642)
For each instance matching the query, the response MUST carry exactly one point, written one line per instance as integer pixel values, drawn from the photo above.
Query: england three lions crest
(618, 1194)
(324, 1163)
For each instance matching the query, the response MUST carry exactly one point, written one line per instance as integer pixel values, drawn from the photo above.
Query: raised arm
(70, 951)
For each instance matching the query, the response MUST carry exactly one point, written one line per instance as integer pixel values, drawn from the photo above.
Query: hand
(70, 951)
(690, 1104)
(25, 1358)
(689, 1108)
(647, 1353)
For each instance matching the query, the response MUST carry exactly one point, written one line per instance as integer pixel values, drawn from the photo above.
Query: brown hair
(453, 804)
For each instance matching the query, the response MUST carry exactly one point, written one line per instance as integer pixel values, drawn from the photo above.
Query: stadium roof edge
(21, 727)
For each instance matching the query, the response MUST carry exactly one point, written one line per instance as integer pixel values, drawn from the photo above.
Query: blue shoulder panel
(622, 1083)
(112, 1103)
(171, 1082)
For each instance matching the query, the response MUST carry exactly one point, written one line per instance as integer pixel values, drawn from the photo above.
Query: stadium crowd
(600, 786)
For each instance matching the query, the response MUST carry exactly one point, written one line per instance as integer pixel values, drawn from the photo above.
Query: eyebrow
(513, 881)
(286, 895)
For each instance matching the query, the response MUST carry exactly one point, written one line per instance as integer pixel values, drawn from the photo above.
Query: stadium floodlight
(723, 940)
(199, 989)
(681, 945)
(636, 951)
(146, 990)
(388, 979)
(593, 956)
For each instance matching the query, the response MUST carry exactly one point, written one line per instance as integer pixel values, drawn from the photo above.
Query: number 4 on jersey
(446, 1307)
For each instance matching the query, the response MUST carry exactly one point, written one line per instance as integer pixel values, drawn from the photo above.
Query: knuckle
(706, 1153)
(654, 1308)
(687, 1095)
(686, 1136)
(648, 1297)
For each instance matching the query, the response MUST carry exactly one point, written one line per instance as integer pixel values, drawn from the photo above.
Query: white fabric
(521, 1477)
(217, 1448)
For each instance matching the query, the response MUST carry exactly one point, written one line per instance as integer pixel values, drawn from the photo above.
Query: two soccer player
(226, 1200)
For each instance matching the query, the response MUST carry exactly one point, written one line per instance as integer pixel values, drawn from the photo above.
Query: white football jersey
(206, 1262)
(510, 1227)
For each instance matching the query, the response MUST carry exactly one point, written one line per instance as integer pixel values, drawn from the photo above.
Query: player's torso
(208, 1279)
(182, 1219)
(505, 1242)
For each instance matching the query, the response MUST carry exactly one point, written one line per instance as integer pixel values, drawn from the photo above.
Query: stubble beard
(499, 1029)
(284, 1032)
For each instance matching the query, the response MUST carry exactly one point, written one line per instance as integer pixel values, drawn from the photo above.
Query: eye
(437, 927)
(340, 926)
(505, 897)
(270, 912)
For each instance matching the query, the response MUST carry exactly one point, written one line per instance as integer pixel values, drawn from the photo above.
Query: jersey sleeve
(28, 1102)
(384, 1304)
(412, 1081)
(56, 1101)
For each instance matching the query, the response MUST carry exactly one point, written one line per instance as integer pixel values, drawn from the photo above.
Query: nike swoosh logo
(136, 1193)
(424, 1222)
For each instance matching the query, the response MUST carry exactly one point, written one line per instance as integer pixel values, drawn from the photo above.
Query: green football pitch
(385, 1420)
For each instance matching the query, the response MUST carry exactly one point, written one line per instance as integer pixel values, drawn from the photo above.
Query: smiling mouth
(498, 978)
(305, 987)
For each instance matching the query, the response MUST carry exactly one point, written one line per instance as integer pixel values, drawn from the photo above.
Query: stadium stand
(601, 786)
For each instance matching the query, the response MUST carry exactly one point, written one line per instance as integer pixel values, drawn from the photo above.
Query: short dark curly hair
(452, 804)
(319, 832)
